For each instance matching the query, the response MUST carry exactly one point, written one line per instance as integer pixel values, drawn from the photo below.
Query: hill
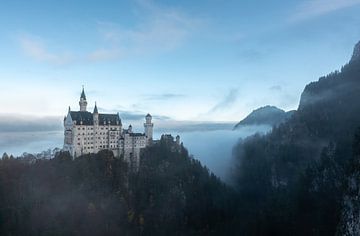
(268, 115)
(97, 195)
(297, 175)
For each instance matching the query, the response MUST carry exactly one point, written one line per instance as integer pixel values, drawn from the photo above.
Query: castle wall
(92, 138)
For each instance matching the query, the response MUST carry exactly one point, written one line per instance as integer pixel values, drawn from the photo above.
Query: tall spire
(96, 109)
(96, 115)
(83, 102)
(83, 93)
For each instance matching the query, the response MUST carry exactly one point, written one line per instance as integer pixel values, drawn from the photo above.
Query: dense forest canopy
(97, 195)
(295, 179)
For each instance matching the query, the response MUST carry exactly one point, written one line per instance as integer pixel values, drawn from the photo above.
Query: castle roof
(83, 94)
(95, 109)
(87, 118)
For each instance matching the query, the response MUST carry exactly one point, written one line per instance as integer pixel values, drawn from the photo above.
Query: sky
(180, 60)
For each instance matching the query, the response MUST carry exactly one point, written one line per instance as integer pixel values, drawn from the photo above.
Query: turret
(83, 102)
(148, 128)
(96, 115)
(130, 129)
(68, 134)
(68, 122)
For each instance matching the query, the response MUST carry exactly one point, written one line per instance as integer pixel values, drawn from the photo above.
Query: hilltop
(267, 115)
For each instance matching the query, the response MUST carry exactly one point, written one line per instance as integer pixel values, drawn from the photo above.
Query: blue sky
(188, 60)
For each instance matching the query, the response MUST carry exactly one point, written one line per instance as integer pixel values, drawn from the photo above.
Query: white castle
(87, 132)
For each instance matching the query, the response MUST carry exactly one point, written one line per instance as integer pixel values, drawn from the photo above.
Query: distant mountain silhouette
(267, 115)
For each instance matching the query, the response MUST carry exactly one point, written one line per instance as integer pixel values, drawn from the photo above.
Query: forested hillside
(97, 195)
(295, 178)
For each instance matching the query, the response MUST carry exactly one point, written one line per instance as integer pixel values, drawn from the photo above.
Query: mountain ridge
(301, 175)
(266, 115)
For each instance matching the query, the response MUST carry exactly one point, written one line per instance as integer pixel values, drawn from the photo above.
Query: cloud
(275, 88)
(104, 55)
(315, 8)
(226, 102)
(36, 49)
(191, 126)
(164, 96)
(251, 55)
(161, 29)
(132, 115)
(21, 123)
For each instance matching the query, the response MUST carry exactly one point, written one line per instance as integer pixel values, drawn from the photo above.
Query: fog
(212, 147)
(16, 143)
(24, 123)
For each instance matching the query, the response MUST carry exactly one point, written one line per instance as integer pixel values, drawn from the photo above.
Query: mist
(25, 123)
(211, 143)
(214, 148)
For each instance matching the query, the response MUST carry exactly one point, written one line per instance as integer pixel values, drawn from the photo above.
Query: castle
(86, 132)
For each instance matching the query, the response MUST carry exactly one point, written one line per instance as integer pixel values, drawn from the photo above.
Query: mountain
(267, 115)
(298, 178)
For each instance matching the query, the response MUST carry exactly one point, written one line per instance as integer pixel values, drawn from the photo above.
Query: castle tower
(96, 115)
(96, 128)
(148, 128)
(68, 134)
(83, 102)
